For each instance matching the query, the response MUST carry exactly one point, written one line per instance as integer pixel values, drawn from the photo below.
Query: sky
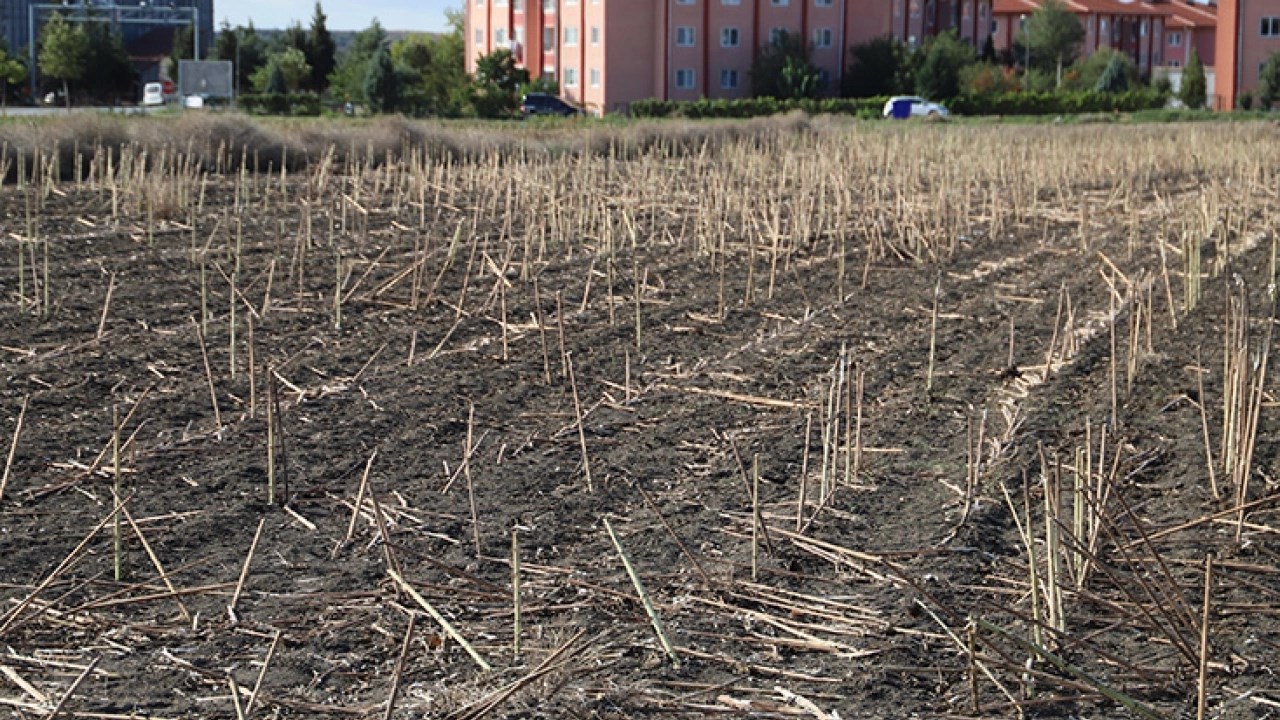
(425, 15)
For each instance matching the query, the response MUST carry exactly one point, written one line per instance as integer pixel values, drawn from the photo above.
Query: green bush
(1048, 103)
(755, 107)
(299, 104)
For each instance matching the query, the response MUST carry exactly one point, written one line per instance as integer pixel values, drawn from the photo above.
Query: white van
(153, 94)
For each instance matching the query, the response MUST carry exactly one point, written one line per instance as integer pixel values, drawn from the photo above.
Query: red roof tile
(1084, 7)
(1185, 14)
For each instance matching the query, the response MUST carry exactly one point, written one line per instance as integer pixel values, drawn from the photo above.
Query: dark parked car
(546, 104)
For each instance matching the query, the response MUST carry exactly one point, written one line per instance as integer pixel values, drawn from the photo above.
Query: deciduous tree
(290, 64)
(782, 69)
(12, 72)
(938, 77)
(1269, 82)
(64, 52)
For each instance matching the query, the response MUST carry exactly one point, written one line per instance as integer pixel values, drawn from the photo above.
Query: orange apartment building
(1248, 33)
(607, 54)
(1134, 28)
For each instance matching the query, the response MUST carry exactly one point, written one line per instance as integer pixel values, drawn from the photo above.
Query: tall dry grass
(219, 143)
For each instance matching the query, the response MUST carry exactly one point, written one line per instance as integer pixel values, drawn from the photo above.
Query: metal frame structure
(115, 14)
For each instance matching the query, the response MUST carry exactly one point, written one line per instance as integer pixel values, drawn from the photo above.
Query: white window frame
(686, 36)
(571, 77)
(729, 79)
(686, 74)
(730, 37)
(571, 36)
(823, 37)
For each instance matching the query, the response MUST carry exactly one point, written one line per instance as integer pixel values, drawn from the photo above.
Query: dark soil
(854, 614)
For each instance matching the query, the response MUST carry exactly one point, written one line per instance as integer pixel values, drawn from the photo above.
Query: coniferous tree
(1194, 85)
(321, 51)
(1054, 33)
(381, 84)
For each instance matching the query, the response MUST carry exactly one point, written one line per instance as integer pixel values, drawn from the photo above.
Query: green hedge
(755, 107)
(1020, 103)
(1060, 103)
(278, 104)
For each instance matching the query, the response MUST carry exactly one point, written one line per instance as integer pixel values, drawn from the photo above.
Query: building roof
(1191, 15)
(1085, 7)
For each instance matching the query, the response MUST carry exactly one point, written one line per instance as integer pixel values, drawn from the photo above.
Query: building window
(571, 36)
(728, 79)
(684, 36)
(595, 34)
(549, 71)
(500, 37)
(570, 2)
(685, 2)
(1271, 27)
(500, 3)
(775, 35)
(519, 5)
(684, 78)
(479, 3)
(822, 38)
(548, 39)
(571, 77)
(730, 2)
(822, 3)
(729, 37)
(1175, 39)
(595, 77)
(479, 36)
(779, 3)
(548, 6)
(518, 35)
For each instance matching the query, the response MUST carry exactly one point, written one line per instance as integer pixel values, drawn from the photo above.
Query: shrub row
(756, 107)
(1017, 103)
(280, 104)
(1057, 103)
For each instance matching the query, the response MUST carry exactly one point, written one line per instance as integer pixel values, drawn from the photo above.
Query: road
(24, 111)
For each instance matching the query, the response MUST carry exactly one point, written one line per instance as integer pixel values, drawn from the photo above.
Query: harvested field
(791, 420)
